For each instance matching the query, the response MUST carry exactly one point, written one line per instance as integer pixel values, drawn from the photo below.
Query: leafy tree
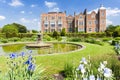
(117, 31)
(0, 30)
(10, 30)
(21, 28)
(55, 34)
(63, 33)
(34, 31)
(110, 30)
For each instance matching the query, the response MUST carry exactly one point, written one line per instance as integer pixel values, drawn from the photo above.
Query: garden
(99, 60)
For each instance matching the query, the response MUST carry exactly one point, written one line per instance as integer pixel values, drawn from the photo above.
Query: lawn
(55, 63)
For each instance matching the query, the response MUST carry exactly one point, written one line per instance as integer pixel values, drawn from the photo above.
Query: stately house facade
(84, 22)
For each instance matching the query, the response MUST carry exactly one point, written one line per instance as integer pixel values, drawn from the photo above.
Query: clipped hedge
(86, 35)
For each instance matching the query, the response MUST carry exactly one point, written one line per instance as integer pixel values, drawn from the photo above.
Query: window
(80, 29)
(102, 13)
(93, 16)
(52, 18)
(59, 17)
(90, 22)
(52, 23)
(59, 25)
(46, 23)
(96, 22)
(81, 23)
(80, 17)
(90, 29)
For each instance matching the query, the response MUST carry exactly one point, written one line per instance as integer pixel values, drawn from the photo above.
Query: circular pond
(55, 48)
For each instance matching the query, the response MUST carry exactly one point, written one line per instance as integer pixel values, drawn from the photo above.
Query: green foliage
(4, 40)
(10, 31)
(113, 31)
(34, 31)
(21, 28)
(63, 33)
(106, 39)
(69, 70)
(117, 38)
(55, 34)
(86, 35)
(47, 38)
(14, 39)
(75, 39)
(115, 42)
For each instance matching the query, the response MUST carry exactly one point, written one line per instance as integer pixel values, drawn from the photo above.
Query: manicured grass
(55, 63)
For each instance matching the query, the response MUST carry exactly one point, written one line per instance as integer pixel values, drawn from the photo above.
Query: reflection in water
(13, 48)
(55, 48)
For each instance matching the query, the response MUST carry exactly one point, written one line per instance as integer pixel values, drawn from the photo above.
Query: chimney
(65, 11)
(74, 13)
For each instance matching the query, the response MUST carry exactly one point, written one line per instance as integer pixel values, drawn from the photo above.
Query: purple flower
(107, 72)
(13, 56)
(30, 51)
(28, 62)
(92, 77)
(22, 54)
(31, 67)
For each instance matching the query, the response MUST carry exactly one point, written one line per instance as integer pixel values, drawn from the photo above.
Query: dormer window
(93, 16)
(80, 17)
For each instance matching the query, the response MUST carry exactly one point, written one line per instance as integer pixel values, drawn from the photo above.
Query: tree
(10, 30)
(21, 28)
(55, 34)
(34, 31)
(117, 31)
(110, 30)
(63, 33)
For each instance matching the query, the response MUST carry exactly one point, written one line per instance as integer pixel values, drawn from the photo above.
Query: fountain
(39, 43)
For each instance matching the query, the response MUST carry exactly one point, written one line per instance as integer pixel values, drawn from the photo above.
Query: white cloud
(56, 9)
(50, 4)
(16, 3)
(113, 11)
(22, 12)
(2, 18)
(33, 5)
(109, 11)
(108, 22)
(23, 20)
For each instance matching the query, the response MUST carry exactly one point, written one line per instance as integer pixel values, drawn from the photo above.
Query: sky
(27, 12)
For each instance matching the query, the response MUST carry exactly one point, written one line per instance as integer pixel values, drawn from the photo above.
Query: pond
(55, 48)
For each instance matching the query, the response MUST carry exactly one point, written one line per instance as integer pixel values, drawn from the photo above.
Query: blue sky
(27, 12)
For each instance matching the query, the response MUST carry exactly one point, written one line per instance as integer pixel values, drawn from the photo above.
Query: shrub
(14, 39)
(4, 40)
(106, 39)
(47, 38)
(75, 39)
(115, 42)
(117, 38)
(69, 70)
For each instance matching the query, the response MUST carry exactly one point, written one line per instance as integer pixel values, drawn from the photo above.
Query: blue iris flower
(31, 67)
(22, 54)
(13, 55)
(30, 51)
(28, 62)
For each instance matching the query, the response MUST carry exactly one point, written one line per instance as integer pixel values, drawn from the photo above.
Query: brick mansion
(83, 22)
